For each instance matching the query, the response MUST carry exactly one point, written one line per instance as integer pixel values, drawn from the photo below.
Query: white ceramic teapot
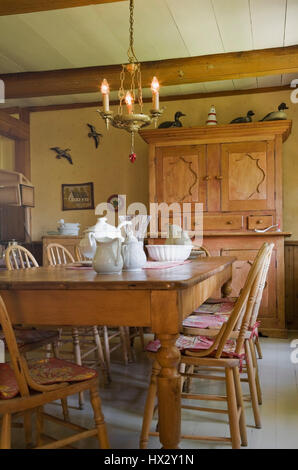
(134, 257)
(101, 231)
(108, 259)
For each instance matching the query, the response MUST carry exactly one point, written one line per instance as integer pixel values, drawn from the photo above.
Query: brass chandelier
(127, 117)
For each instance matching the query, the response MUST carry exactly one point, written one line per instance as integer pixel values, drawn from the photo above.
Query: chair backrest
(18, 257)
(243, 307)
(16, 359)
(79, 254)
(262, 284)
(58, 254)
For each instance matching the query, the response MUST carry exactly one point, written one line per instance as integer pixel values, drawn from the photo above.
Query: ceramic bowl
(169, 252)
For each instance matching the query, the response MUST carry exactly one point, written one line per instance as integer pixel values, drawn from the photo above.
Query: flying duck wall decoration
(62, 154)
(93, 134)
(277, 115)
(243, 119)
(175, 123)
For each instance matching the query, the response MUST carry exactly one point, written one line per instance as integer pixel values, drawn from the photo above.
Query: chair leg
(149, 406)
(252, 386)
(240, 403)
(258, 347)
(123, 337)
(55, 350)
(65, 409)
(256, 370)
(28, 428)
(5, 438)
(100, 354)
(232, 409)
(78, 360)
(142, 339)
(39, 426)
(99, 418)
(107, 351)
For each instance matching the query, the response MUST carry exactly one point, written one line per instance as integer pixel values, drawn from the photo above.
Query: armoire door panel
(241, 269)
(180, 174)
(248, 176)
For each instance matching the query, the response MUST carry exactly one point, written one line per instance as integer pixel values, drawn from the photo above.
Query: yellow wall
(109, 167)
(7, 153)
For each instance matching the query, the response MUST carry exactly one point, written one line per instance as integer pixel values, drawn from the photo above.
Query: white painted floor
(123, 403)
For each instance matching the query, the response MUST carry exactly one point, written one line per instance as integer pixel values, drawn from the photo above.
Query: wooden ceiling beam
(13, 128)
(190, 96)
(17, 7)
(181, 71)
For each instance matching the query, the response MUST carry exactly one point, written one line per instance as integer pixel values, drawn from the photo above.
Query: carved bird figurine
(175, 123)
(242, 119)
(94, 135)
(62, 154)
(277, 115)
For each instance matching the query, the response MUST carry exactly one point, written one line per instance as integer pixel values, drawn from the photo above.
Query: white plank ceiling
(98, 35)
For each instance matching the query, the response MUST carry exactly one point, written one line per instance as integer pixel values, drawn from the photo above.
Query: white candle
(155, 93)
(129, 102)
(105, 89)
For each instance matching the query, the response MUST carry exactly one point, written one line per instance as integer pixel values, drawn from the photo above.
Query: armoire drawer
(259, 221)
(223, 222)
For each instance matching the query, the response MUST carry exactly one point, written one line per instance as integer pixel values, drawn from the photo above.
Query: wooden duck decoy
(242, 119)
(277, 115)
(175, 123)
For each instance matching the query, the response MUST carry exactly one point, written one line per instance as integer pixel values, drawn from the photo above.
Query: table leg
(169, 392)
(226, 289)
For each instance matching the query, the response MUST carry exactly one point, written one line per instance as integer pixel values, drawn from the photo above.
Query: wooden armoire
(235, 170)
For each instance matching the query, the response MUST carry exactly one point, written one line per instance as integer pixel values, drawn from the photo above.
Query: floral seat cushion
(44, 372)
(30, 336)
(204, 321)
(197, 343)
(216, 308)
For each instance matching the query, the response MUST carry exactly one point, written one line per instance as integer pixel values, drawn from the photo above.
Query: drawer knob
(229, 222)
(219, 177)
(260, 221)
(206, 178)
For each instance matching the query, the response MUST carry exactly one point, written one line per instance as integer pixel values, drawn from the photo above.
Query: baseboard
(275, 332)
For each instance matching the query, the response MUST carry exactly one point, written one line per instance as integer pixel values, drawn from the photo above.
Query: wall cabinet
(235, 171)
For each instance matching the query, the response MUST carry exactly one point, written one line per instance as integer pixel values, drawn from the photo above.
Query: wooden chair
(86, 341)
(28, 339)
(225, 352)
(27, 387)
(113, 338)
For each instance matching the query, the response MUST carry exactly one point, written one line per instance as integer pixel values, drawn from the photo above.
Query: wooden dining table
(155, 298)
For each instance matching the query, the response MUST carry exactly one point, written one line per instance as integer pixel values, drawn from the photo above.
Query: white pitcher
(134, 257)
(101, 231)
(108, 259)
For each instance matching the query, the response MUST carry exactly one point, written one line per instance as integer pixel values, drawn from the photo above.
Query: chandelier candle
(155, 93)
(105, 90)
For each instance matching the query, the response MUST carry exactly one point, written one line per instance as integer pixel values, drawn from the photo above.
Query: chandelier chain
(131, 53)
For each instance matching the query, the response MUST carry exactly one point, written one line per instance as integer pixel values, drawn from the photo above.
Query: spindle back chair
(18, 257)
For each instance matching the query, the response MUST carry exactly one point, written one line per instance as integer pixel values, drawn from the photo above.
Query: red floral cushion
(222, 308)
(27, 336)
(44, 372)
(204, 321)
(8, 384)
(221, 300)
(195, 343)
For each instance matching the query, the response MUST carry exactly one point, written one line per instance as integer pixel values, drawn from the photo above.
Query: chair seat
(205, 321)
(29, 336)
(216, 308)
(197, 343)
(43, 372)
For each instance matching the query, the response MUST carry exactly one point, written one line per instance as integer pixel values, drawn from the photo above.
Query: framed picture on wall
(77, 196)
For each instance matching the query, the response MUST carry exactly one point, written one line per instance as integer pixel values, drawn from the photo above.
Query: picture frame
(77, 196)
